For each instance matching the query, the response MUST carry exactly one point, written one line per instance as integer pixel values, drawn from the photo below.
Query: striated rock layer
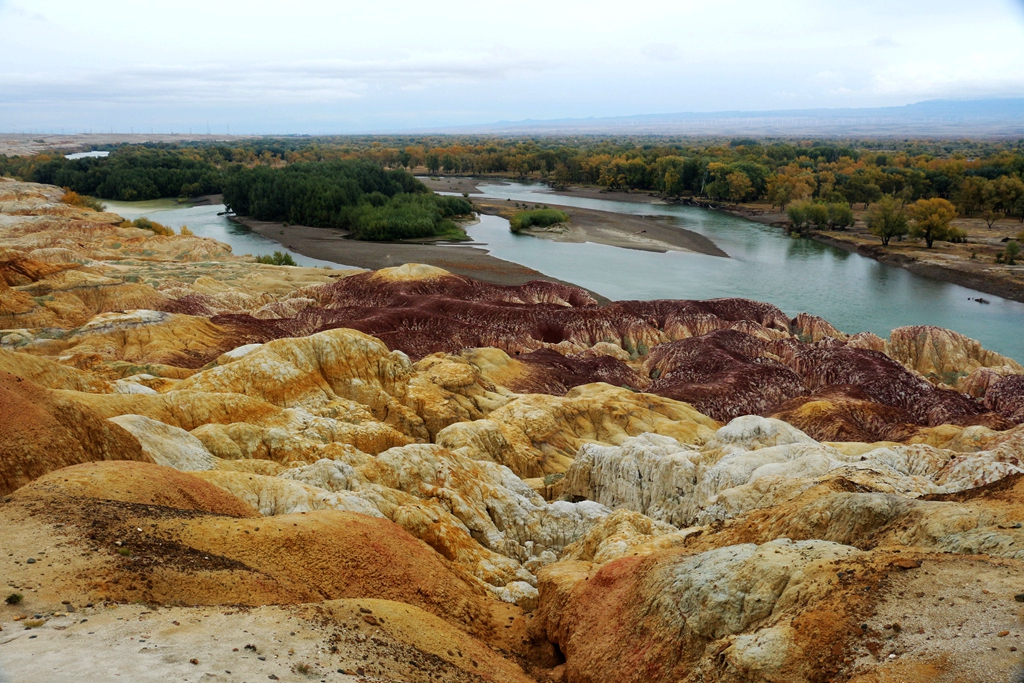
(412, 475)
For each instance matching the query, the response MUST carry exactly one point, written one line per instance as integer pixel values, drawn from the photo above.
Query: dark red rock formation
(370, 289)
(879, 377)
(727, 357)
(844, 412)
(1006, 397)
(553, 373)
(723, 374)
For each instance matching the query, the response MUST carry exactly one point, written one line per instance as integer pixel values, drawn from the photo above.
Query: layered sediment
(408, 474)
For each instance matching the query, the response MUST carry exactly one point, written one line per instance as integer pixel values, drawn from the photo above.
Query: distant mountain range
(932, 118)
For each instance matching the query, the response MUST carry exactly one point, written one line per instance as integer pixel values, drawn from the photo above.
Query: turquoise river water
(853, 292)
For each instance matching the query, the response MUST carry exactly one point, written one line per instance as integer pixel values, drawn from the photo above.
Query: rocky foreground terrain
(213, 469)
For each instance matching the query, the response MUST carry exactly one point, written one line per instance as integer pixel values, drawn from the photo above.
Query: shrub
(1011, 252)
(303, 669)
(277, 259)
(540, 218)
(14, 598)
(147, 224)
(956, 235)
(186, 232)
(75, 199)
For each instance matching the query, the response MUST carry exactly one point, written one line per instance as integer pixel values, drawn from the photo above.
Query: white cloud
(454, 61)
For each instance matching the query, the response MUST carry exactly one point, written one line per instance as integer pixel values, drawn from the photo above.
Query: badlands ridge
(213, 469)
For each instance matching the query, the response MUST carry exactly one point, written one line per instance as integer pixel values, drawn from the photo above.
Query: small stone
(906, 563)
(262, 658)
(193, 661)
(370, 619)
(1002, 634)
(1019, 597)
(272, 677)
(31, 560)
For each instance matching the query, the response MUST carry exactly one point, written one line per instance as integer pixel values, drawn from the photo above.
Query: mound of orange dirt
(138, 532)
(43, 431)
(139, 483)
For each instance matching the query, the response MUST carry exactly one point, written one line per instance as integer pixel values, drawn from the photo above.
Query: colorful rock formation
(441, 479)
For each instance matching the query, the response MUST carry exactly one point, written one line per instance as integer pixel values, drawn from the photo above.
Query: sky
(311, 66)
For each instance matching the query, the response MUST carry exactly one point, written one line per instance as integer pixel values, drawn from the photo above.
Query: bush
(14, 598)
(1011, 252)
(75, 199)
(956, 235)
(186, 232)
(277, 259)
(147, 224)
(540, 218)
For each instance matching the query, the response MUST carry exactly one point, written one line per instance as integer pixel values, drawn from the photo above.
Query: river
(204, 221)
(853, 292)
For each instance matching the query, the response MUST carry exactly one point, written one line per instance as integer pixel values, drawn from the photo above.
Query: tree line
(978, 178)
(357, 195)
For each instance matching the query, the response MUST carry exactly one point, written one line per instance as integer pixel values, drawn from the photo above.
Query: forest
(979, 177)
(357, 195)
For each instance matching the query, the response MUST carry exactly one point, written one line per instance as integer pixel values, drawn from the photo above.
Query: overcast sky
(311, 66)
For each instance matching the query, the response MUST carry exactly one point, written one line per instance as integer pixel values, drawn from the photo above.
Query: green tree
(859, 188)
(840, 215)
(930, 219)
(799, 215)
(817, 213)
(886, 219)
(1009, 193)
(970, 196)
(1011, 252)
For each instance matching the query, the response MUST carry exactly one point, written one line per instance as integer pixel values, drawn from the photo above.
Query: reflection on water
(851, 291)
(204, 222)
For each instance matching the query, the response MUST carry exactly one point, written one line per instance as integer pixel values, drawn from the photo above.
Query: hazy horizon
(323, 68)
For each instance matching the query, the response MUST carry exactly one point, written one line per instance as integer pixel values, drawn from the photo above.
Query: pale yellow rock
(319, 374)
(537, 434)
(274, 495)
(167, 445)
(944, 356)
(410, 271)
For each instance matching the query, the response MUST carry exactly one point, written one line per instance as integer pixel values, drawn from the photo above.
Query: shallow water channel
(204, 222)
